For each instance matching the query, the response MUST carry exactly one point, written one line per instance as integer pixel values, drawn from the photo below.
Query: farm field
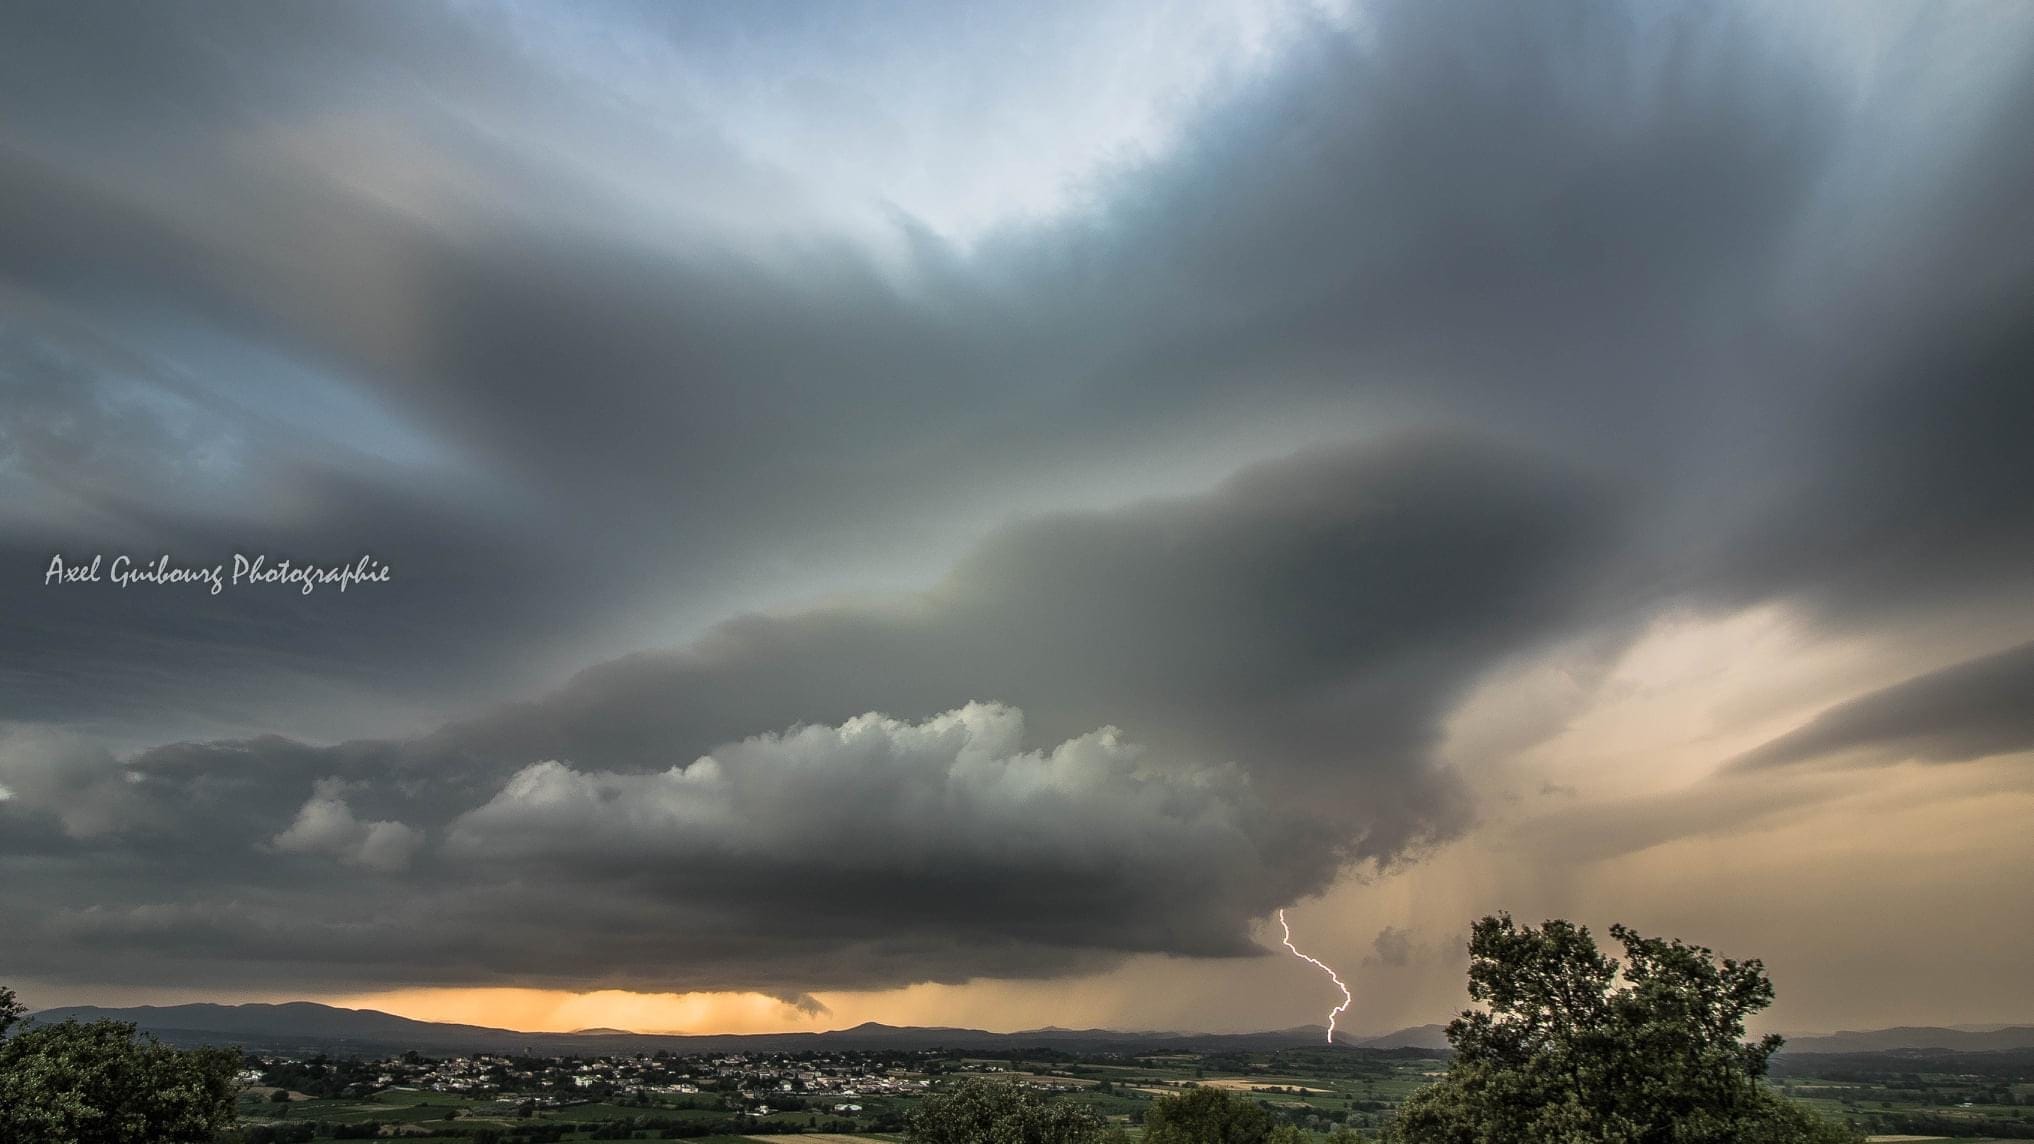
(819, 1138)
(1906, 1098)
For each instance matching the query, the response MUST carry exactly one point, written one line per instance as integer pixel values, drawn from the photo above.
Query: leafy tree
(1565, 1053)
(979, 1111)
(96, 1084)
(1203, 1115)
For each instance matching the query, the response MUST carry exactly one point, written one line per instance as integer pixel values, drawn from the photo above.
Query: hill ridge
(314, 1026)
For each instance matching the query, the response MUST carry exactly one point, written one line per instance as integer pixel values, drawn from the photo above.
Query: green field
(1969, 1097)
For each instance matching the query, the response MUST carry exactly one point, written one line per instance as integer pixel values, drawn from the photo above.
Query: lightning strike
(1348, 998)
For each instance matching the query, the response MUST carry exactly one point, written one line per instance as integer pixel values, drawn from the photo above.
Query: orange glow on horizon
(1002, 1006)
(563, 1011)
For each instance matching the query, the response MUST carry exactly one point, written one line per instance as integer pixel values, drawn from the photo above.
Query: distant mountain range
(1964, 1039)
(303, 1026)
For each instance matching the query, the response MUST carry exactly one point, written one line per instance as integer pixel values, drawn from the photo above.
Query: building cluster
(1041, 1083)
(756, 1083)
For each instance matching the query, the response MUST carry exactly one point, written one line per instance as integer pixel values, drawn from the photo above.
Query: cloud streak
(1967, 711)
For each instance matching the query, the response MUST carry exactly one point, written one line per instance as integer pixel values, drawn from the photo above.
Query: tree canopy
(97, 1083)
(981, 1111)
(1572, 1047)
(1206, 1115)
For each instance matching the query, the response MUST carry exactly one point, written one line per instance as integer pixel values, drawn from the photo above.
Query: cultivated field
(1261, 1084)
(819, 1138)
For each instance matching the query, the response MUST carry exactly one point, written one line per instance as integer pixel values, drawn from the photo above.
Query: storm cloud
(1282, 649)
(1967, 711)
(746, 465)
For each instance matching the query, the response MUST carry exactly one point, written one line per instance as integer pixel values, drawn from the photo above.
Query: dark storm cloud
(546, 371)
(687, 408)
(1769, 327)
(1344, 589)
(1968, 711)
(1589, 230)
(873, 853)
(1277, 654)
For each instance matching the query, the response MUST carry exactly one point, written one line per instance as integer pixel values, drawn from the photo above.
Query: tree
(1203, 1115)
(978, 1111)
(97, 1084)
(1564, 1052)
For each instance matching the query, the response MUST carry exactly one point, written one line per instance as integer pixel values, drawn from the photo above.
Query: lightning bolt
(1347, 998)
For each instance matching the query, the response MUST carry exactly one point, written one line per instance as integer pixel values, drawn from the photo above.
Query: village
(757, 1085)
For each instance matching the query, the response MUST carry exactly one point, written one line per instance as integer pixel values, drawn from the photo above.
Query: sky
(957, 514)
